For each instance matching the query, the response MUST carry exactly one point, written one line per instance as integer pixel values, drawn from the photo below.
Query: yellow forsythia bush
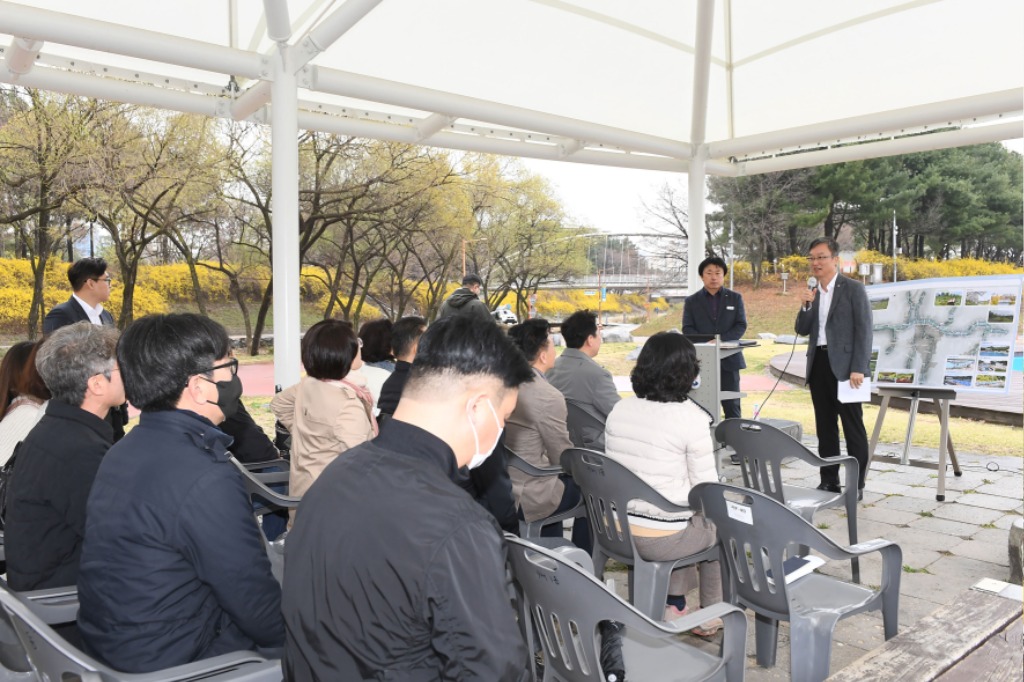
(174, 282)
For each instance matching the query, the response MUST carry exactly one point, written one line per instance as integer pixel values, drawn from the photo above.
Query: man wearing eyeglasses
(836, 316)
(173, 568)
(91, 286)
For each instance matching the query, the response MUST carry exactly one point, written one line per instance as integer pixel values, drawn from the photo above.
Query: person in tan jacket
(330, 410)
(536, 431)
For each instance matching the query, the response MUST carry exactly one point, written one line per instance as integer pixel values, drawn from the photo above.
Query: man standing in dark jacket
(57, 461)
(465, 301)
(90, 284)
(393, 571)
(717, 310)
(173, 568)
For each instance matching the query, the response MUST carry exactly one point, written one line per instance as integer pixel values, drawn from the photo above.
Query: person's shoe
(708, 629)
(830, 487)
(734, 459)
(860, 495)
(672, 613)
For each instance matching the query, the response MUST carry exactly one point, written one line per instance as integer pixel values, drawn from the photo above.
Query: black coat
(70, 312)
(730, 324)
(173, 567)
(395, 573)
(391, 391)
(53, 474)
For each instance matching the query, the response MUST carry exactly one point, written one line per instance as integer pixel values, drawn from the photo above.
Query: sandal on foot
(708, 629)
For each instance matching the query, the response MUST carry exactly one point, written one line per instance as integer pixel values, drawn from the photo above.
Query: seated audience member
(250, 444)
(58, 460)
(376, 348)
(23, 396)
(393, 571)
(375, 373)
(664, 438)
(405, 336)
(329, 410)
(578, 377)
(537, 433)
(173, 568)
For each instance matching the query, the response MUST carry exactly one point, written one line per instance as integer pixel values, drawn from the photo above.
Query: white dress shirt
(93, 313)
(825, 292)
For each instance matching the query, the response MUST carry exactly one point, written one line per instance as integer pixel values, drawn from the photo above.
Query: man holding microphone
(836, 315)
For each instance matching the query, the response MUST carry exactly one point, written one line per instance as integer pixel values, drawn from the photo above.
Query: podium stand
(941, 398)
(709, 394)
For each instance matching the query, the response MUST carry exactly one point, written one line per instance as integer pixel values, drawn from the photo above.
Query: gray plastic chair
(269, 500)
(763, 449)
(586, 430)
(532, 529)
(566, 604)
(51, 657)
(608, 487)
(757, 534)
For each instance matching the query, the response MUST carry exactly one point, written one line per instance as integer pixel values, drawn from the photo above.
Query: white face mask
(481, 456)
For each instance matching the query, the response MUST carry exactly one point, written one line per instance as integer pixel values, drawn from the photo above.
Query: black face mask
(228, 395)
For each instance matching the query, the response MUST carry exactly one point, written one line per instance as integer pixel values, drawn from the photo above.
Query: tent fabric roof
(599, 81)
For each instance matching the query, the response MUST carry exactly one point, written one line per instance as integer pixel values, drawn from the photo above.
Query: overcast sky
(611, 199)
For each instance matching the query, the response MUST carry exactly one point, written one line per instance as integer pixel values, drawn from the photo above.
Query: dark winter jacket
(53, 473)
(173, 568)
(464, 302)
(395, 573)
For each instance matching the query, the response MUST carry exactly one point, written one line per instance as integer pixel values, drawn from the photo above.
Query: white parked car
(505, 316)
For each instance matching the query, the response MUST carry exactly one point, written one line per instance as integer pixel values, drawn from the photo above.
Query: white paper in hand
(848, 394)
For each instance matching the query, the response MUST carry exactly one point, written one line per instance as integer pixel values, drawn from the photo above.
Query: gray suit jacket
(848, 329)
(583, 381)
(536, 431)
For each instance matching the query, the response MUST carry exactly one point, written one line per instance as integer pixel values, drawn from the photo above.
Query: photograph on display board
(992, 365)
(948, 298)
(879, 303)
(962, 380)
(982, 297)
(1007, 298)
(1001, 316)
(897, 376)
(961, 363)
(874, 361)
(994, 350)
(990, 380)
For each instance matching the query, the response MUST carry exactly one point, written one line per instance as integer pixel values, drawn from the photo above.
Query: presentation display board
(955, 333)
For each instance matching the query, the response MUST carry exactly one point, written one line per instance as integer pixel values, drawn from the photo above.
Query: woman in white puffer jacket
(664, 438)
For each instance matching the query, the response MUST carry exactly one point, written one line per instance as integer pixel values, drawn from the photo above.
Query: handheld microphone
(812, 283)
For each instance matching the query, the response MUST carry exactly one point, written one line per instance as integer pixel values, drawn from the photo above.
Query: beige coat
(325, 418)
(536, 432)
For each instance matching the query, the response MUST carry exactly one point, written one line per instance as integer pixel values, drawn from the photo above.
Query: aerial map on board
(946, 333)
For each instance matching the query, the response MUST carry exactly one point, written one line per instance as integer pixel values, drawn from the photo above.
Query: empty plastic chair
(567, 606)
(51, 657)
(762, 449)
(756, 535)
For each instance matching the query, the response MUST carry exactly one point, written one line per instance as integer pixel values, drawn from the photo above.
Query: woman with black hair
(664, 438)
(330, 410)
(23, 396)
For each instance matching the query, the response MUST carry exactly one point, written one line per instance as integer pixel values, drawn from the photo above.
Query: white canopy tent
(726, 87)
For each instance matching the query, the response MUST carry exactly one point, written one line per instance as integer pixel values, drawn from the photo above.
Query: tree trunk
(261, 317)
(236, 292)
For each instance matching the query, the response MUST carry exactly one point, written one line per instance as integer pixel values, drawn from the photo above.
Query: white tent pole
(330, 29)
(347, 84)
(21, 56)
(116, 91)
(284, 132)
(902, 145)
(67, 29)
(939, 114)
(698, 129)
(479, 143)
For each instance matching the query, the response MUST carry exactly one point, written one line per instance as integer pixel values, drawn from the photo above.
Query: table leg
(943, 406)
(914, 400)
(878, 429)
